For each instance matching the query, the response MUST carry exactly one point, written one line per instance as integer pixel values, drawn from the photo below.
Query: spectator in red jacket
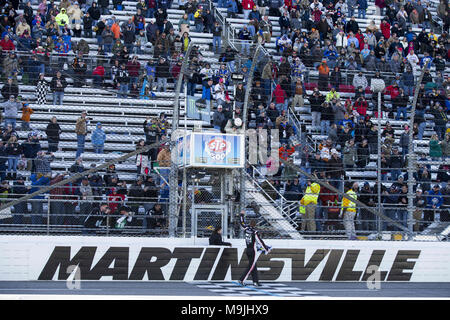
(359, 35)
(115, 200)
(280, 98)
(7, 44)
(247, 6)
(133, 67)
(385, 28)
(392, 90)
(361, 106)
(98, 73)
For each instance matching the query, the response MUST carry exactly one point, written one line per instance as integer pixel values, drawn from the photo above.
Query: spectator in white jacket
(341, 40)
(360, 80)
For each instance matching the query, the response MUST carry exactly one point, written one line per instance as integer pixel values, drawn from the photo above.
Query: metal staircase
(276, 214)
(438, 229)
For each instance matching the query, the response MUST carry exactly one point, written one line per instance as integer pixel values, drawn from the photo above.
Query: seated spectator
(216, 238)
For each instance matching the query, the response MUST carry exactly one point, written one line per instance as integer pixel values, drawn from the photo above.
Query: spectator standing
(13, 151)
(58, 84)
(162, 74)
(217, 37)
(42, 87)
(26, 114)
(122, 80)
(309, 202)
(37, 203)
(11, 108)
(98, 138)
(81, 131)
(143, 163)
(420, 202)
(368, 197)
(434, 203)
(53, 132)
(324, 71)
(348, 211)
(42, 162)
(435, 148)
(316, 100)
(19, 190)
(362, 8)
(10, 89)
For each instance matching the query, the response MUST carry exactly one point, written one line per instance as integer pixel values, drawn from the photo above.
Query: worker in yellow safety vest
(308, 205)
(348, 211)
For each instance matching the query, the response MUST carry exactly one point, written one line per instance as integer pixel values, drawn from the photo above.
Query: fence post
(48, 215)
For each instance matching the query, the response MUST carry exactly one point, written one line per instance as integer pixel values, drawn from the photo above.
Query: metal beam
(244, 123)
(173, 175)
(411, 153)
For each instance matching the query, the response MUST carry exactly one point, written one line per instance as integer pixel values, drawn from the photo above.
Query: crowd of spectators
(322, 50)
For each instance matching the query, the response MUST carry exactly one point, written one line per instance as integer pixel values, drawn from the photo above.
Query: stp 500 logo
(217, 148)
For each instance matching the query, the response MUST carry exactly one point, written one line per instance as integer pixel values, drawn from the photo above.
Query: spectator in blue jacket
(37, 203)
(98, 138)
(331, 55)
(390, 201)
(232, 8)
(362, 8)
(434, 203)
(207, 91)
(407, 82)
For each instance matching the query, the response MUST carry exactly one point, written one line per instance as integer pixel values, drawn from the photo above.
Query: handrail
(278, 207)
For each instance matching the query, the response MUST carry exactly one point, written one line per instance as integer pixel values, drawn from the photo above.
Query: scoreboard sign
(211, 150)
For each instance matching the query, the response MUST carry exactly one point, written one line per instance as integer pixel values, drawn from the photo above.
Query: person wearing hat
(74, 12)
(164, 156)
(434, 203)
(98, 138)
(11, 108)
(349, 210)
(218, 118)
(62, 19)
(309, 202)
(420, 202)
(81, 131)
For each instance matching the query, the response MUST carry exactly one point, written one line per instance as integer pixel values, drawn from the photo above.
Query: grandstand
(272, 200)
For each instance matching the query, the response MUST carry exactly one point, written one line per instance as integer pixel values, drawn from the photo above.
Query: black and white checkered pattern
(41, 93)
(233, 289)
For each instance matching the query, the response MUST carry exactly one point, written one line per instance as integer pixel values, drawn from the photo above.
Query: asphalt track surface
(310, 290)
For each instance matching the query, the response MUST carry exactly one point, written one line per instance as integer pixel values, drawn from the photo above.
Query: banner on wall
(198, 109)
(211, 150)
(96, 258)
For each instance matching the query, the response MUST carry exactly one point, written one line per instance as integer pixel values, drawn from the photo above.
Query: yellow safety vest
(348, 204)
(311, 194)
(302, 209)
